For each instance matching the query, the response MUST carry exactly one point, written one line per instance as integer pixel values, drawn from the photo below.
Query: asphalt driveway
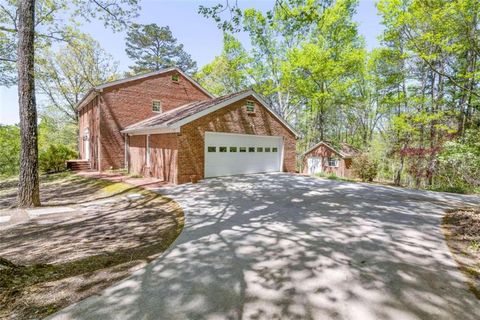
(280, 246)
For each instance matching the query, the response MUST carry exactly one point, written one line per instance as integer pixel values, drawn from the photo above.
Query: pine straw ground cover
(55, 260)
(462, 231)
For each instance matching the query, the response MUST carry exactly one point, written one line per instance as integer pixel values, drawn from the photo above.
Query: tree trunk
(28, 187)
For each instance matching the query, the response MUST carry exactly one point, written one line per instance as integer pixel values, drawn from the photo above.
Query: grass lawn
(108, 230)
(462, 231)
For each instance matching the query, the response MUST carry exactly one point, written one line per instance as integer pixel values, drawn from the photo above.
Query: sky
(200, 36)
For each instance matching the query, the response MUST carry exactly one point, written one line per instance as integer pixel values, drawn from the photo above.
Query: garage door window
(259, 149)
(222, 149)
(233, 149)
(274, 149)
(212, 149)
(251, 149)
(243, 149)
(267, 149)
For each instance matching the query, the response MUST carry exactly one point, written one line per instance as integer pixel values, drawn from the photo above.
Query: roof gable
(92, 92)
(178, 117)
(347, 151)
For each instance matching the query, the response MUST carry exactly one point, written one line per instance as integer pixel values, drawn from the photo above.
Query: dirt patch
(462, 231)
(59, 259)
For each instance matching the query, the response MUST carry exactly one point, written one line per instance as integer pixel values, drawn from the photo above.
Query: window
(250, 105)
(332, 162)
(212, 149)
(274, 149)
(175, 77)
(222, 149)
(233, 149)
(251, 149)
(267, 149)
(259, 149)
(243, 149)
(156, 106)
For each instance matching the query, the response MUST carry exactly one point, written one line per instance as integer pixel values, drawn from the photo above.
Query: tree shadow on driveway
(280, 246)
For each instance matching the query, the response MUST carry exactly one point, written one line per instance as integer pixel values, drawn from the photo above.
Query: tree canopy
(152, 48)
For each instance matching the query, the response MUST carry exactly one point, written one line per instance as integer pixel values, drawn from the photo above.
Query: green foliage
(459, 164)
(332, 176)
(64, 76)
(365, 167)
(9, 150)
(54, 157)
(228, 72)
(57, 130)
(152, 48)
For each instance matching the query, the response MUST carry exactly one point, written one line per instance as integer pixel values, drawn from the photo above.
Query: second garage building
(233, 134)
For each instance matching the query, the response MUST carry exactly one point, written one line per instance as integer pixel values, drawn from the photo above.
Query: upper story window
(175, 77)
(250, 105)
(156, 106)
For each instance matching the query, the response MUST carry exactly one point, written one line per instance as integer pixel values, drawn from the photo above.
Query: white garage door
(228, 154)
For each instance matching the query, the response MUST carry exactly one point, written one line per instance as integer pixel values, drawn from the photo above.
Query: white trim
(241, 134)
(127, 147)
(151, 130)
(228, 102)
(147, 152)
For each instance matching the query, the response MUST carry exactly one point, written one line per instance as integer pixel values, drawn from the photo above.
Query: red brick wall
(163, 155)
(89, 118)
(136, 152)
(130, 102)
(233, 119)
(325, 153)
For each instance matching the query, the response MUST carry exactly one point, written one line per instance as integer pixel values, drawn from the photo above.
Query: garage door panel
(230, 163)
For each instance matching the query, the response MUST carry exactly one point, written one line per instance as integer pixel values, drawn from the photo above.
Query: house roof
(345, 150)
(94, 91)
(172, 120)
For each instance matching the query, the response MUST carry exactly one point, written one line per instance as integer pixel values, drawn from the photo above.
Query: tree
(228, 72)
(66, 75)
(29, 189)
(153, 48)
(9, 149)
(18, 18)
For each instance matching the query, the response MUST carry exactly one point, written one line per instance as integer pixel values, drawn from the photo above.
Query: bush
(9, 150)
(53, 159)
(364, 167)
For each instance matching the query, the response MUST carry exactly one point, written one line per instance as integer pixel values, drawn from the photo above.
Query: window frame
(335, 161)
(160, 106)
(250, 104)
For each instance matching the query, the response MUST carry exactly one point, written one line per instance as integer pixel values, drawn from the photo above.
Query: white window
(156, 106)
(250, 105)
(147, 152)
(332, 162)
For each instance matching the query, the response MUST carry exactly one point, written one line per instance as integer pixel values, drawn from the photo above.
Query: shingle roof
(345, 150)
(180, 113)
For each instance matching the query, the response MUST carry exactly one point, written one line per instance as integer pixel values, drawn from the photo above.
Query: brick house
(163, 124)
(324, 158)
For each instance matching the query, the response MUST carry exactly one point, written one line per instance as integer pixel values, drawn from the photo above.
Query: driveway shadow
(280, 246)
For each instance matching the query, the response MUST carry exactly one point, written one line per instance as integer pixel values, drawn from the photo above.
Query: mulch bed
(462, 231)
(56, 260)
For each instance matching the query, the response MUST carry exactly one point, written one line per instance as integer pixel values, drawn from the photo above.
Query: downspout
(125, 138)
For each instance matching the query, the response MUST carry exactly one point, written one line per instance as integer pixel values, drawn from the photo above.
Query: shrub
(53, 159)
(9, 149)
(364, 167)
